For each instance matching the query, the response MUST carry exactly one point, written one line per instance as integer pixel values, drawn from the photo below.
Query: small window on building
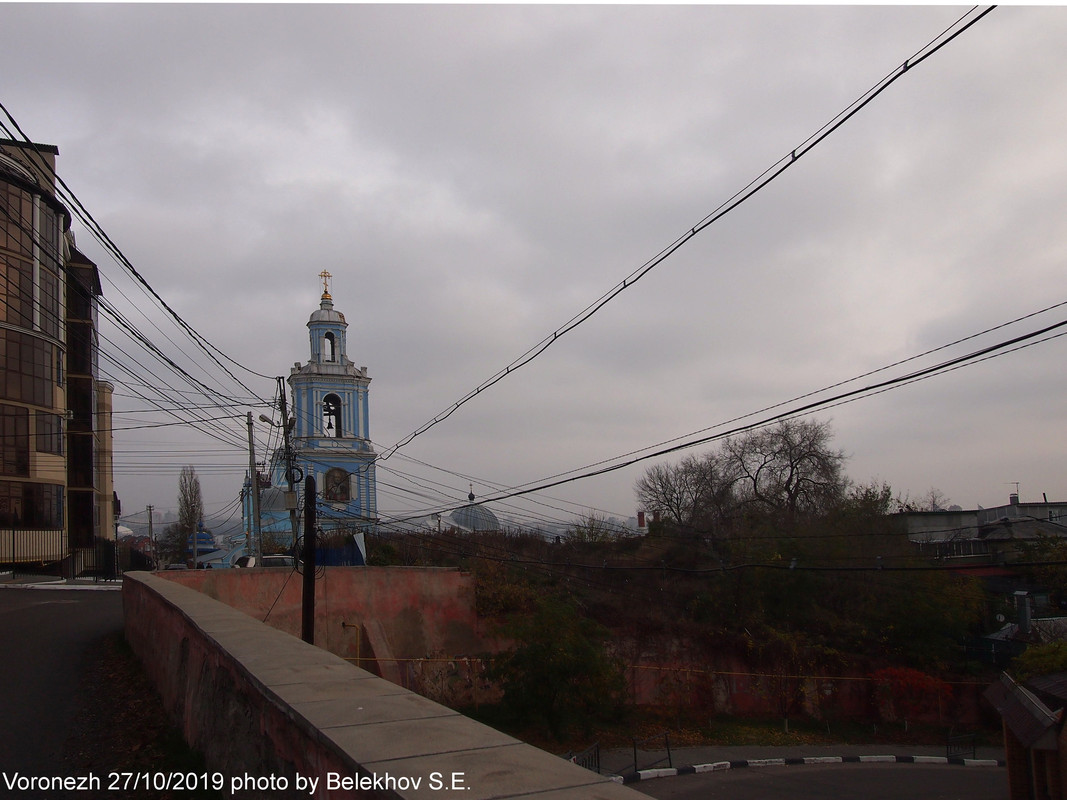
(329, 348)
(14, 441)
(49, 433)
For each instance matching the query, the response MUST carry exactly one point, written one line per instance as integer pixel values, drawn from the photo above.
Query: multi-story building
(56, 485)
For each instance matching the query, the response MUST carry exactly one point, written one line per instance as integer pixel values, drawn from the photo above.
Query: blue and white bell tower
(329, 438)
(331, 432)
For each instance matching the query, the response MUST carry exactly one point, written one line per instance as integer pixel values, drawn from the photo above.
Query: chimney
(640, 519)
(1022, 603)
(1013, 499)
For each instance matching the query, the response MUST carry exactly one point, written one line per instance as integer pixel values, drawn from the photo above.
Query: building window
(329, 348)
(31, 505)
(16, 291)
(26, 368)
(15, 438)
(16, 206)
(49, 433)
(80, 461)
(50, 321)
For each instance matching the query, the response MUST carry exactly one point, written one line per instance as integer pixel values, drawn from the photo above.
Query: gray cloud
(474, 175)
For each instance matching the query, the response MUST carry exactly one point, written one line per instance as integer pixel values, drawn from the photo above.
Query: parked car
(265, 561)
(278, 561)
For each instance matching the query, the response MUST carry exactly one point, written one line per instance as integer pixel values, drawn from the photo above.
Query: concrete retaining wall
(268, 709)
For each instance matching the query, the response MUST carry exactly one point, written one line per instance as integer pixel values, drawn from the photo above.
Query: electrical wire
(754, 186)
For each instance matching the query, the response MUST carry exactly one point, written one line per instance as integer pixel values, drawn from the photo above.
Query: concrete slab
(412, 738)
(332, 691)
(370, 709)
(275, 676)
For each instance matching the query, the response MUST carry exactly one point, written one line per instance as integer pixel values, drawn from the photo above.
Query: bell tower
(331, 433)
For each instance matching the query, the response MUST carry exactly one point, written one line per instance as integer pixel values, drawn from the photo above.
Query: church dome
(326, 313)
(475, 518)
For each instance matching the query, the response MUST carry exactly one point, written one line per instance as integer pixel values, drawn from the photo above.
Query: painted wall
(360, 612)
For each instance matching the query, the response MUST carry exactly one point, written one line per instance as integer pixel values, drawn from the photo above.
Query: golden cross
(325, 283)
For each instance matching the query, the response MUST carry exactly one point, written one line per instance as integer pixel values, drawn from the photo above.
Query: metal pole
(253, 475)
(288, 452)
(307, 607)
(152, 540)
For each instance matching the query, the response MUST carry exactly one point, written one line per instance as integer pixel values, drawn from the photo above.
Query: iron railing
(639, 747)
(46, 552)
(588, 758)
(964, 746)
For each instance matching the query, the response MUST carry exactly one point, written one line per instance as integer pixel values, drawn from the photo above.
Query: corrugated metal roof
(1032, 722)
(1051, 688)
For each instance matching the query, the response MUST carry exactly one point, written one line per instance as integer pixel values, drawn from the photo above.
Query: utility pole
(152, 540)
(307, 603)
(253, 475)
(290, 477)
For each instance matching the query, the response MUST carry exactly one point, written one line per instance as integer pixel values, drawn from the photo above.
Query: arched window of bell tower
(329, 347)
(331, 415)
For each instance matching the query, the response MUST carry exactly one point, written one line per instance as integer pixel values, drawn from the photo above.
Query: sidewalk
(688, 760)
(10, 581)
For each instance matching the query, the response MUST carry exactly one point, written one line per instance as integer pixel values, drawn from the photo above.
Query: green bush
(559, 673)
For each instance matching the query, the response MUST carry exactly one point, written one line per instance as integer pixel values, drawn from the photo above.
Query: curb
(718, 766)
(63, 585)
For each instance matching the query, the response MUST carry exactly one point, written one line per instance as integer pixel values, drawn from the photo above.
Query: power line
(983, 354)
(755, 186)
(101, 235)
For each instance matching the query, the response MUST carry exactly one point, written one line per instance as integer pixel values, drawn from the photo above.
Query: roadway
(822, 781)
(44, 635)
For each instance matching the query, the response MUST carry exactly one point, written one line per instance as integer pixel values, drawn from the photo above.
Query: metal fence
(47, 553)
(588, 758)
(640, 747)
(963, 746)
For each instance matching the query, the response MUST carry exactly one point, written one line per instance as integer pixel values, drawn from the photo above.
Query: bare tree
(593, 528)
(695, 494)
(190, 501)
(788, 470)
(172, 544)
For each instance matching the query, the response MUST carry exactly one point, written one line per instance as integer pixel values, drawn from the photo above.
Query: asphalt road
(822, 781)
(44, 634)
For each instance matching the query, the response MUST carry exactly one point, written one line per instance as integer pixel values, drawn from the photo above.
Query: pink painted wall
(420, 611)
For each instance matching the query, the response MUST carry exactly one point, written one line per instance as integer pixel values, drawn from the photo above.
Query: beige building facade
(56, 484)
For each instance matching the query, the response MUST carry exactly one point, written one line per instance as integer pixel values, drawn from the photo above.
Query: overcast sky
(474, 176)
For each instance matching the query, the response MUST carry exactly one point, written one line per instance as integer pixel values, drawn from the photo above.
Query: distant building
(56, 477)
(330, 434)
(985, 535)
